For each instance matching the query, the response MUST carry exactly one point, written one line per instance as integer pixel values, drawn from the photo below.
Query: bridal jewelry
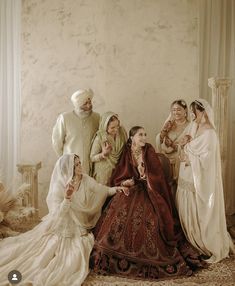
(136, 153)
(75, 181)
(181, 123)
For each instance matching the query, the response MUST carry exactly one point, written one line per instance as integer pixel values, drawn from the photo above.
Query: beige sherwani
(73, 134)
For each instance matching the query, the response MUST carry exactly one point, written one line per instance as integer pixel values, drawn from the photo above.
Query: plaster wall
(137, 56)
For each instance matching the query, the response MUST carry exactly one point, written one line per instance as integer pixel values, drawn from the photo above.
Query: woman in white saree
(199, 196)
(56, 252)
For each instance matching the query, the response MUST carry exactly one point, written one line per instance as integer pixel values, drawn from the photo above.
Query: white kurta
(56, 252)
(200, 198)
(73, 134)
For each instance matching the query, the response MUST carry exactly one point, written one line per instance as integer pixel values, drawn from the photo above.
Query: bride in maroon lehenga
(139, 235)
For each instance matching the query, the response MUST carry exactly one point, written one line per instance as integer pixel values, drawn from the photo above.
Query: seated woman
(107, 147)
(167, 141)
(56, 252)
(199, 195)
(139, 235)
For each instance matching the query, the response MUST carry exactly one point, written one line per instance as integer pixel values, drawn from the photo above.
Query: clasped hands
(186, 139)
(123, 189)
(70, 190)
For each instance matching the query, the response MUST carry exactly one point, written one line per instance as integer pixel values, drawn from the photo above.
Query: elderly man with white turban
(74, 130)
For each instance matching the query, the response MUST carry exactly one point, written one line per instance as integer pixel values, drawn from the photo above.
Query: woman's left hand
(69, 191)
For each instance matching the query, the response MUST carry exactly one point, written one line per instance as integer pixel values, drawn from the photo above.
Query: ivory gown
(56, 252)
(199, 196)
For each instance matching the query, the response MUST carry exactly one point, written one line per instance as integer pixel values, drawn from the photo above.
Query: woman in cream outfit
(199, 195)
(107, 147)
(56, 252)
(172, 132)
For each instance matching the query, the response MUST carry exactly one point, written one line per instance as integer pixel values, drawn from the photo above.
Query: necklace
(136, 153)
(180, 123)
(76, 180)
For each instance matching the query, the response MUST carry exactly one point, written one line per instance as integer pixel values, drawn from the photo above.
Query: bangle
(102, 156)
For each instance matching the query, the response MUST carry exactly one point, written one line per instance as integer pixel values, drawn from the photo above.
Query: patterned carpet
(219, 274)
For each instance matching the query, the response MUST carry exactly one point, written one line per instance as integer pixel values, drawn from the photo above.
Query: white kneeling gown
(56, 252)
(200, 200)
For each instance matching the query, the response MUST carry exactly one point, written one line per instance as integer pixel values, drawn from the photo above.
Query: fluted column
(30, 176)
(219, 88)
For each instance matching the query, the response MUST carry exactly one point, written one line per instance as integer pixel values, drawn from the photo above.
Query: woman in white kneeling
(56, 252)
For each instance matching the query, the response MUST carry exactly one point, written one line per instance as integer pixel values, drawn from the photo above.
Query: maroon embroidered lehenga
(139, 235)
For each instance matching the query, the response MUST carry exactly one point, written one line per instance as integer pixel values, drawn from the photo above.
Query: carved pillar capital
(215, 82)
(28, 167)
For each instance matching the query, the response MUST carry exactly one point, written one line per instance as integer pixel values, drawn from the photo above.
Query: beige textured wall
(137, 56)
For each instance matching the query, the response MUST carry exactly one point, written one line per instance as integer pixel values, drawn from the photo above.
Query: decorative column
(220, 106)
(30, 176)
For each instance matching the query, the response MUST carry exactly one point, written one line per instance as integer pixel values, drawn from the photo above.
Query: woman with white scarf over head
(56, 252)
(199, 196)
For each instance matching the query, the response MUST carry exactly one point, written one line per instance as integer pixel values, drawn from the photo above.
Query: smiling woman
(199, 195)
(107, 147)
(167, 141)
(56, 251)
(139, 235)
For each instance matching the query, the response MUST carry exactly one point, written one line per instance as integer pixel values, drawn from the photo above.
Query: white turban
(80, 96)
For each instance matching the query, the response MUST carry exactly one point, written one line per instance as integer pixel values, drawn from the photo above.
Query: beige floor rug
(219, 274)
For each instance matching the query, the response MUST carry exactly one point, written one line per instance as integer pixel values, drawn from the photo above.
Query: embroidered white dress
(56, 252)
(172, 155)
(199, 196)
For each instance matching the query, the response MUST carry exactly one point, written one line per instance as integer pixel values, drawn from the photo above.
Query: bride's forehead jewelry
(199, 103)
(182, 102)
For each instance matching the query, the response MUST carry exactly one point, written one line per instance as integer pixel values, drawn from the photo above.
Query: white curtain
(217, 59)
(10, 34)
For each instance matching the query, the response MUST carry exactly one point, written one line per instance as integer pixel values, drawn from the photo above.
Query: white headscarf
(80, 97)
(61, 176)
(208, 109)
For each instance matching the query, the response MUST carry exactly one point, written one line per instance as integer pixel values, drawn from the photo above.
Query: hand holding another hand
(124, 190)
(185, 140)
(128, 183)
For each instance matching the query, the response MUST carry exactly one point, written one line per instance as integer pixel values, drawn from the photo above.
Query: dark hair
(180, 102)
(132, 133)
(196, 105)
(75, 157)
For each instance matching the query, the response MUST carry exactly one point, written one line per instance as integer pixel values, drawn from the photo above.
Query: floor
(219, 274)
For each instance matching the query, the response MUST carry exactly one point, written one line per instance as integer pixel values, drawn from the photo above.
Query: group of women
(140, 233)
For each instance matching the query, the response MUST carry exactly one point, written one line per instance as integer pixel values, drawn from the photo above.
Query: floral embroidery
(117, 226)
(185, 185)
